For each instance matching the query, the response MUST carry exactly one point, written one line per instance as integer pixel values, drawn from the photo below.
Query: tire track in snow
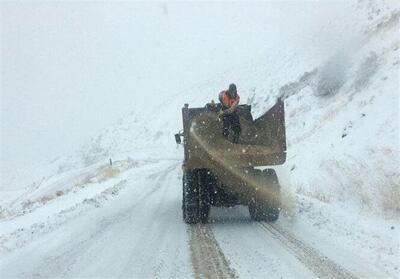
(320, 265)
(208, 260)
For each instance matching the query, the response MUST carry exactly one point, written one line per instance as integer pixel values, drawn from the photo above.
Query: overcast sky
(69, 69)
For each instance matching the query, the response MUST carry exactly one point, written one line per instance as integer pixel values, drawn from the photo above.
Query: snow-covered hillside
(344, 122)
(342, 172)
(342, 115)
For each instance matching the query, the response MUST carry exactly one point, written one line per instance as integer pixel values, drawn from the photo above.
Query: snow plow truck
(218, 172)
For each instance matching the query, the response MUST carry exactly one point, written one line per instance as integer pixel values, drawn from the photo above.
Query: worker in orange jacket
(230, 119)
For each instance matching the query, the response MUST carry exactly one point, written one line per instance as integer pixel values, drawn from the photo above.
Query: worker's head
(232, 92)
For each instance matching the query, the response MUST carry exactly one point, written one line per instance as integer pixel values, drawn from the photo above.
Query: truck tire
(264, 210)
(190, 199)
(204, 197)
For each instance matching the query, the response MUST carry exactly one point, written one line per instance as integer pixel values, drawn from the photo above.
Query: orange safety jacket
(226, 101)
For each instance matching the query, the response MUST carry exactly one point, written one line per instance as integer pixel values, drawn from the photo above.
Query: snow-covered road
(134, 229)
(139, 232)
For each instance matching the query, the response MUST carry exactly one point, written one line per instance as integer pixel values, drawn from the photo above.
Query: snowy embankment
(342, 170)
(344, 135)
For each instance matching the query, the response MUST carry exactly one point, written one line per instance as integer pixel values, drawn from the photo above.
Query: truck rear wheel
(196, 196)
(267, 210)
(204, 194)
(190, 199)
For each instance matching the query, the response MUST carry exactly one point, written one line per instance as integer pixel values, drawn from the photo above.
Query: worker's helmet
(232, 91)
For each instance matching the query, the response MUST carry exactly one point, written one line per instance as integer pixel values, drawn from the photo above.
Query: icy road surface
(131, 226)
